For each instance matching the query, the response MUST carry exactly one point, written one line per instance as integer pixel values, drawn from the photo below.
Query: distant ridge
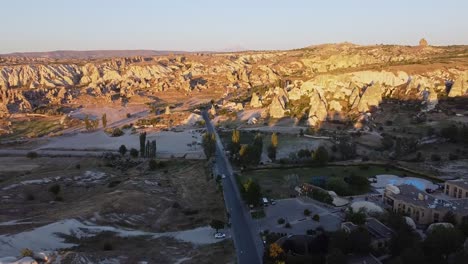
(90, 54)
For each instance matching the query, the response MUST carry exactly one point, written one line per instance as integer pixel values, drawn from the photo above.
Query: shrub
(58, 199)
(281, 221)
(127, 126)
(107, 246)
(435, 157)
(26, 252)
(287, 225)
(153, 164)
(307, 212)
(112, 184)
(122, 150)
(78, 166)
(134, 153)
(30, 197)
(453, 156)
(316, 217)
(310, 232)
(129, 115)
(54, 189)
(116, 132)
(32, 155)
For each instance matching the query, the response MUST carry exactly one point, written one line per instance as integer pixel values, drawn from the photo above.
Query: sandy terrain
(128, 205)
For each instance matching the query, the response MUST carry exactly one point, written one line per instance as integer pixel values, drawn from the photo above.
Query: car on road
(265, 201)
(223, 176)
(220, 235)
(272, 201)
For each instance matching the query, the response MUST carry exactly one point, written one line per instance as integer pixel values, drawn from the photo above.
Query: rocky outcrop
(460, 85)
(318, 107)
(255, 101)
(277, 107)
(327, 74)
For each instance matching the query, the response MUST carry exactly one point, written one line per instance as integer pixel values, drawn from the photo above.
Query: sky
(201, 25)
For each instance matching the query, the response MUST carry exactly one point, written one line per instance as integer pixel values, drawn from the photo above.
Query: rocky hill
(335, 80)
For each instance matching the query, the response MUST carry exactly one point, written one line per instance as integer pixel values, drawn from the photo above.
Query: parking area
(292, 211)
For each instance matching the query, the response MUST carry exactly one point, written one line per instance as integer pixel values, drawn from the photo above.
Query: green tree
(340, 240)
(360, 240)
(134, 153)
(252, 192)
(387, 142)
(357, 218)
(257, 149)
(217, 224)
(142, 144)
(153, 164)
(122, 150)
(450, 132)
(463, 226)
(441, 242)
(104, 120)
(271, 152)
(337, 185)
(336, 256)
(209, 144)
(449, 217)
(54, 189)
(321, 156)
(32, 154)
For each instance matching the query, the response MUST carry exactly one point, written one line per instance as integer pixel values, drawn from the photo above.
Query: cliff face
(336, 78)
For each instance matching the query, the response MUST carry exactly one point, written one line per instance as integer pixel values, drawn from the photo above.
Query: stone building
(422, 207)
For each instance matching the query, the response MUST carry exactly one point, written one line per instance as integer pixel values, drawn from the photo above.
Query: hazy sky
(43, 25)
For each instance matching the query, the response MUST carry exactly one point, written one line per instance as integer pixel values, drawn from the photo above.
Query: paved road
(249, 246)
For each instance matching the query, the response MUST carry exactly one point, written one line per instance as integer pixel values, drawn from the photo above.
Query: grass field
(287, 143)
(37, 127)
(275, 184)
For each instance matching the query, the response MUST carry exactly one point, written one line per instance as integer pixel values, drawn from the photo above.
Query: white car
(223, 176)
(220, 235)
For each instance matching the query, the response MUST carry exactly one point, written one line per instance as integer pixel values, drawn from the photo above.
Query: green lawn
(33, 128)
(274, 182)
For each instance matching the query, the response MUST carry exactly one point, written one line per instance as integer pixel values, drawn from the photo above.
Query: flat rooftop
(460, 183)
(416, 197)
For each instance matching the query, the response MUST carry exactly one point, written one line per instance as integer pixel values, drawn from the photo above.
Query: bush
(78, 166)
(321, 196)
(30, 197)
(153, 164)
(316, 217)
(129, 115)
(127, 126)
(107, 246)
(116, 132)
(435, 157)
(310, 232)
(112, 184)
(26, 252)
(58, 199)
(287, 225)
(134, 153)
(32, 155)
(122, 150)
(54, 189)
(307, 212)
(281, 221)
(453, 156)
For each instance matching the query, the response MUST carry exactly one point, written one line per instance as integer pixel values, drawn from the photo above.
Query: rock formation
(330, 75)
(255, 102)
